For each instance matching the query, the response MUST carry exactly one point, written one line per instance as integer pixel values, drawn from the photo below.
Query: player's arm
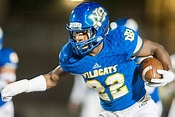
(39, 83)
(156, 50)
(9, 64)
(54, 76)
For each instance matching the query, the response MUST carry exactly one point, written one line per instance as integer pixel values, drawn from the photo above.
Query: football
(149, 67)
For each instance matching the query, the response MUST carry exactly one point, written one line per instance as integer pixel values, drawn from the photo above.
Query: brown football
(149, 67)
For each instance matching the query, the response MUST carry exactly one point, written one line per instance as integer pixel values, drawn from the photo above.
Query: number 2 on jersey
(116, 86)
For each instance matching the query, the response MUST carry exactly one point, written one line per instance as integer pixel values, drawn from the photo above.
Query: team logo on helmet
(98, 16)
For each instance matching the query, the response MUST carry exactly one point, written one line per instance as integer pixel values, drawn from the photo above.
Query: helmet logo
(98, 16)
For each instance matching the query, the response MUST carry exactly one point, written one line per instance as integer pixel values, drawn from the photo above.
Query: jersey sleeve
(127, 40)
(69, 61)
(138, 46)
(64, 58)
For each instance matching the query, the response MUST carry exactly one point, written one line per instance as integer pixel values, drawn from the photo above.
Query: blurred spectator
(83, 99)
(8, 65)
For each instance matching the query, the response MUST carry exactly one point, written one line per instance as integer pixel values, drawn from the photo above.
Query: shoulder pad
(65, 52)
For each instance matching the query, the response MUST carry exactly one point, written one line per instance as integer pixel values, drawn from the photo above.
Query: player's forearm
(51, 80)
(155, 49)
(55, 76)
(163, 56)
(38, 83)
(35, 84)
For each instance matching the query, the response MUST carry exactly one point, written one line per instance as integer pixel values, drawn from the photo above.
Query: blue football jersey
(155, 95)
(8, 58)
(111, 72)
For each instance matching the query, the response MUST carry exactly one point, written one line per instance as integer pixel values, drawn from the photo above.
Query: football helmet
(1, 37)
(88, 16)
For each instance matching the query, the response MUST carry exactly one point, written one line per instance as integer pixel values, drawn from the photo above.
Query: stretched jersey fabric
(111, 72)
(8, 58)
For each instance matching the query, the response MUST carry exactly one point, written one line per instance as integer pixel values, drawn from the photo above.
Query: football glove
(13, 89)
(167, 77)
(35, 84)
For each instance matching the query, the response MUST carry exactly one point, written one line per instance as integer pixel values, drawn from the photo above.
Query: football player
(8, 66)
(102, 57)
(82, 95)
(153, 91)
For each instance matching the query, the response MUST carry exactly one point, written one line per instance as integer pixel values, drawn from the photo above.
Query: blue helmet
(88, 16)
(1, 38)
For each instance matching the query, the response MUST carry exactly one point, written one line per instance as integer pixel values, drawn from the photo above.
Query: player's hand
(6, 95)
(13, 89)
(167, 77)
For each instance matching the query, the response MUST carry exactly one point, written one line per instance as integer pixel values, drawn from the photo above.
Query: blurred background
(35, 29)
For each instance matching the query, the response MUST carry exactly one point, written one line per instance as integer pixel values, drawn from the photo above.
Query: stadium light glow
(76, 0)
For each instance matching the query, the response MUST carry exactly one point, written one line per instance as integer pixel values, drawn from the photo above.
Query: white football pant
(146, 107)
(7, 110)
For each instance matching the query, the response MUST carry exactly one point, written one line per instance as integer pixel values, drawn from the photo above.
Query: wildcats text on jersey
(100, 72)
